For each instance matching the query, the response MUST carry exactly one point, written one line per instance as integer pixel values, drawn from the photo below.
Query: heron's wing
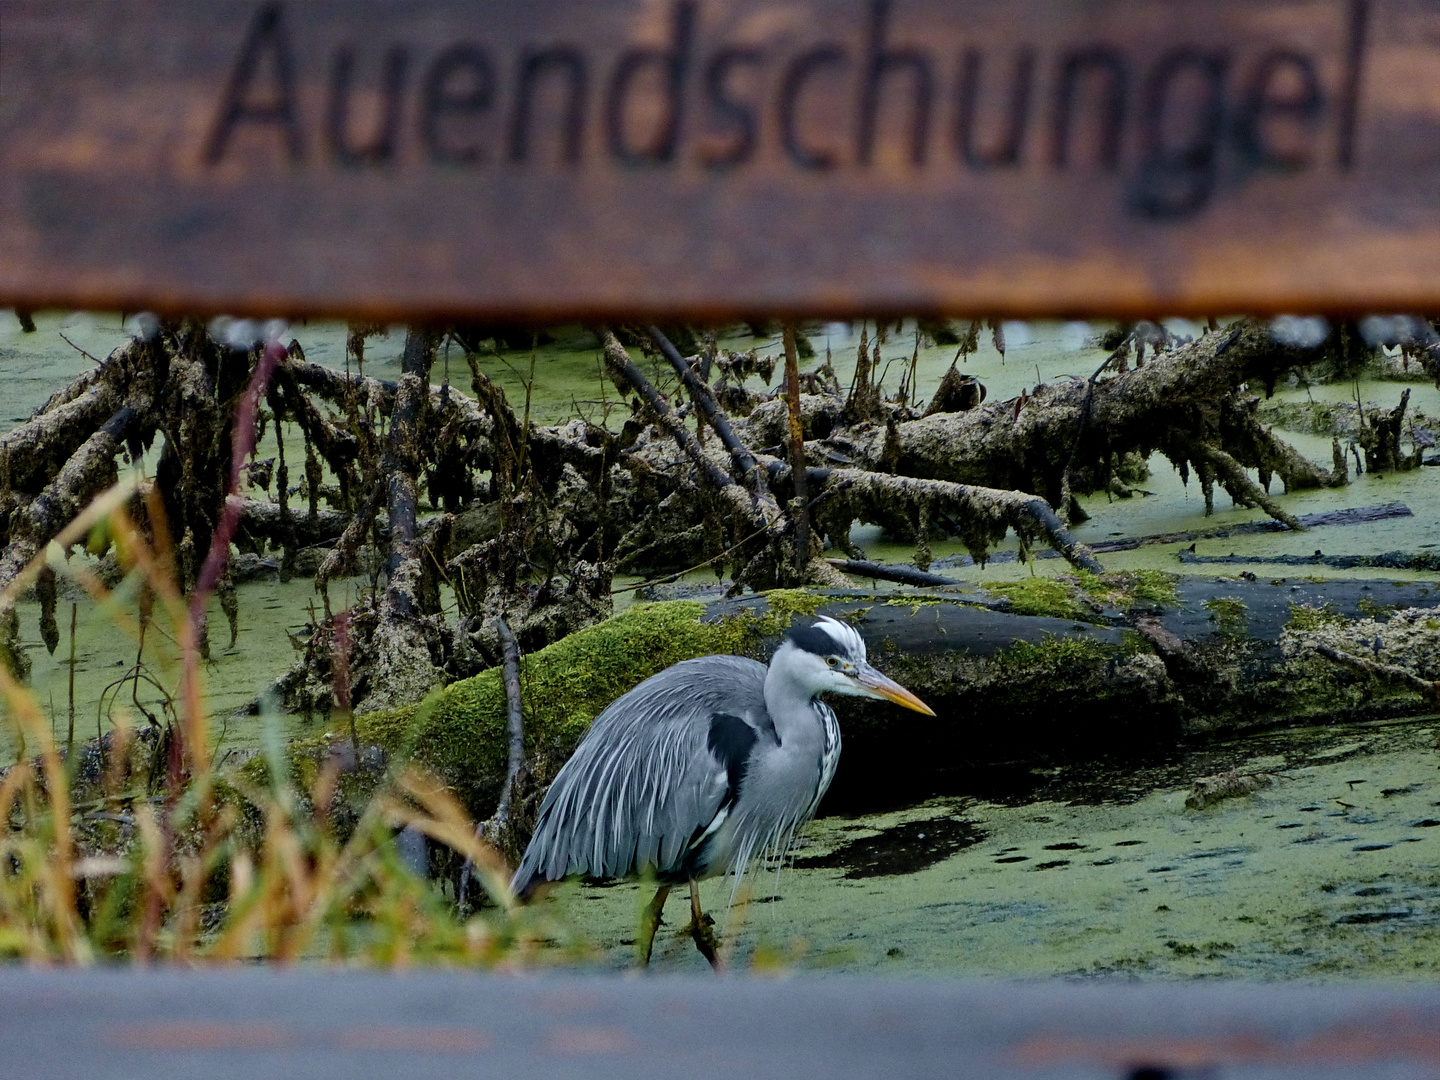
(651, 773)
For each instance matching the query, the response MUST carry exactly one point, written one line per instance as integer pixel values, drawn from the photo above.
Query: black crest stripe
(814, 639)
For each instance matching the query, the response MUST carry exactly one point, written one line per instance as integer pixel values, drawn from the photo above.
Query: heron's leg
(702, 927)
(649, 923)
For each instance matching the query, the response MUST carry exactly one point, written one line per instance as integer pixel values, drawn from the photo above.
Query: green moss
(1155, 586)
(785, 603)
(1371, 610)
(1304, 617)
(1072, 595)
(1134, 643)
(1052, 652)
(1230, 615)
(1125, 590)
(1038, 596)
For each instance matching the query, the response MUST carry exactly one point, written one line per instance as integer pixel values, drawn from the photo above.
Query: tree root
(1241, 488)
(531, 522)
(983, 515)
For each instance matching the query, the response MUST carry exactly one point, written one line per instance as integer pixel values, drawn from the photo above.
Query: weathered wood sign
(573, 158)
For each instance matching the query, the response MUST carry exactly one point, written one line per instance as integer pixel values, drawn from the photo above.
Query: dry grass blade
(450, 825)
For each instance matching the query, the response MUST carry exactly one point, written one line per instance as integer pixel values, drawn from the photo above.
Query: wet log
(1359, 515)
(33, 450)
(901, 575)
(1389, 560)
(982, 515)
(89, 471)
(32, 454)
(1131, 664)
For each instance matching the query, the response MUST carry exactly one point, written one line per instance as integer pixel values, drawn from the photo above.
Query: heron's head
(829, 655)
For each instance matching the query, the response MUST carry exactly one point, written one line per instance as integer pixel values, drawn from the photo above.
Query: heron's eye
(831, 661)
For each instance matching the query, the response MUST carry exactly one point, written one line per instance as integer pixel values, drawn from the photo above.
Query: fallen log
(90, 470)
(1178, 404)
(1120, 665)
(1390, 560)
(1360, 515)
(901, 575)
(262, 521)
(981, 516)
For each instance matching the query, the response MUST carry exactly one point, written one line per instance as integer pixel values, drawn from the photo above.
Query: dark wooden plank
(246, 1024)
(570, 158)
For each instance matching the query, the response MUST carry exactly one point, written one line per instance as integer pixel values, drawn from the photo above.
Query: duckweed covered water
(1099, 869)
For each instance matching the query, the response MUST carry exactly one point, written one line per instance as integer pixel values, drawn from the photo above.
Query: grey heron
(702, 767)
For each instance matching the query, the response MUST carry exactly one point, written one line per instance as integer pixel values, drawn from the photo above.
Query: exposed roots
(462, 511)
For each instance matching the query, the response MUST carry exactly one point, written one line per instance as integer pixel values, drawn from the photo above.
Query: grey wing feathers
(643, 778)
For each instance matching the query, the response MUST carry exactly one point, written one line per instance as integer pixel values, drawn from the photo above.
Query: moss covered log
(460, 731)
(1022, 674)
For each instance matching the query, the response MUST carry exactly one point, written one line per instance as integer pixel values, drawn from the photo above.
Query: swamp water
(1089, 868)
(1098, 868)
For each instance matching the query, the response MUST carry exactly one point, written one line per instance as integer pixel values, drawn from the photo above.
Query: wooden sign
(239, 1023)
(548, 159)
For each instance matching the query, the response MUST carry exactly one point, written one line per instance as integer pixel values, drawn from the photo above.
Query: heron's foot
(649, 923)
(702, 929)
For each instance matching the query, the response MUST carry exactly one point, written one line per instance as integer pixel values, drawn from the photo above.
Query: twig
(620, 364)
(1393, 672)
(510, 673)
(668, 578)
(757, 507)
(797, 453)
(714, 415)
(516, 718)
(77, 348)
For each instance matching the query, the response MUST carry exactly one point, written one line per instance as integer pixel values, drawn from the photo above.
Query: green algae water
(1100, 869)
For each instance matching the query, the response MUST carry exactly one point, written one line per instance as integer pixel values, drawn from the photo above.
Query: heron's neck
(790, 702)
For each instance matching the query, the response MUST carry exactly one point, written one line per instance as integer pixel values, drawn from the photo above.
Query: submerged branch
(1244, 490)
(901, 575)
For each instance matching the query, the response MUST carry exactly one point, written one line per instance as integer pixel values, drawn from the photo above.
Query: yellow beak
(878, 686)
